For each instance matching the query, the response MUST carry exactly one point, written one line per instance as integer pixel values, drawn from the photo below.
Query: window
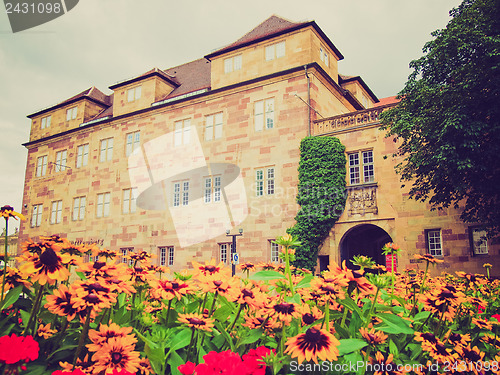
(124, 253)
(41, 166)
(103, 202)
(61, 159)
(212, 192)
(46, 122)
(213, 126)
(357, 160)
(225, 252)
(56, 212)
(79, 208)
(129, 200)
(82, 156)
(434, 244)
(232, 64)
(71, 113)
(182, 132)
(264, 114)
(166, 254)
(264, 181)
(479, 241)
(181, 193)
(275, 252)
(133, 142)
(36, 217)
(106, 150)
(323, 55)
(275, 51)
(133, 94)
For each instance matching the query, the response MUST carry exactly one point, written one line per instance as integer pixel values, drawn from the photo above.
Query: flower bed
(117, 318)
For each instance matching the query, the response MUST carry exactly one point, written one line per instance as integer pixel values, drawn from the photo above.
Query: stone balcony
(349, 121)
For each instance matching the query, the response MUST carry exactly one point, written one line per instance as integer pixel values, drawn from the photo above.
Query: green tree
(321, 195)
(448, 118)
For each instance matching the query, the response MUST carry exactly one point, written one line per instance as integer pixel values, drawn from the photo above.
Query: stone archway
(364, 239)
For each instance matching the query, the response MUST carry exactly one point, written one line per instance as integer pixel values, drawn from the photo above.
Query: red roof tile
(388, 100)
(192, 76)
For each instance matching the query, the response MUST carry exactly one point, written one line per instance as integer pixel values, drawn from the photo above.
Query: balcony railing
(353, 120)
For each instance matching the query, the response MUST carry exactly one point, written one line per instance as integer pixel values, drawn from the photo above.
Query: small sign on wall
(391, 260)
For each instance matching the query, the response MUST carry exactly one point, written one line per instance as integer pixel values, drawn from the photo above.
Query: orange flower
(284, 312)
(197, 321)
(8, 211)
(428, 258)
(309, 314)
(312, 344)
(373, 337)
(61, 303)
(209, 268)
(166, 289)
(105, 333)
(116, 354)
(47, 266)
(91, 294)
(229, 288)
(45, 331)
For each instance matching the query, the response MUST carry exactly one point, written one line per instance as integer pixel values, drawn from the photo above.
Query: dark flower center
(308, 318)
(284, 308)
(217, 283)
(247, 293)
(196, 321)
(210, 269)
(92, 298)
(455, 337)
(441, 350)
(49, 259)
(429, 337)
(116, 358)
(472, 356)
(99, 265)
(313, 340)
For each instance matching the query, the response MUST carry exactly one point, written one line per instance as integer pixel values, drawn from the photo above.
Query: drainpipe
(308, 103)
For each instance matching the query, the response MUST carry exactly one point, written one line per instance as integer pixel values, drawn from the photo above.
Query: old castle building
(174, 158)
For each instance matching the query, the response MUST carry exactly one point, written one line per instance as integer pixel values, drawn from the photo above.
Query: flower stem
(235, 319)
(5, 259)
(168, 312)
(83, 336)
(287, 269)
(372, 308)
(34, 309)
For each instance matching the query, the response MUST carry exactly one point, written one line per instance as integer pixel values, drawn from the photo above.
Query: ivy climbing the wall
(321, 195)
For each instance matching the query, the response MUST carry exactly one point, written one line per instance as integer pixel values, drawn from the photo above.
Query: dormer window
(71, 113)
(232, 64)
(133, 94)
(46, 122)
(275, 51)
(323, 55)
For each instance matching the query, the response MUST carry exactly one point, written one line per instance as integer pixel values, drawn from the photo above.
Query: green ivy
(321, 195)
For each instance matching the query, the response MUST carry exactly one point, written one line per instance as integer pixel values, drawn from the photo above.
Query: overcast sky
(101, 42)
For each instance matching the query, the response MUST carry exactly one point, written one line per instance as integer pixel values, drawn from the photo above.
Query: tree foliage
(448, 118)
(321, 195)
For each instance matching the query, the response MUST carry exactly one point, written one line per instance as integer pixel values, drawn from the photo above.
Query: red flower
(74, 372)
(17, 350)
(187, 369)
(496, 316)
(253, 360)
(227, 363)
(480, 309)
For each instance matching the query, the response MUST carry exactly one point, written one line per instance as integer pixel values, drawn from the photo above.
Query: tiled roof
(192, 76)
(91, 93)
(149, 73)
(388, 100)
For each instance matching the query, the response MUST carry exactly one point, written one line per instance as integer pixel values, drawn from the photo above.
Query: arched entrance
(364, 239)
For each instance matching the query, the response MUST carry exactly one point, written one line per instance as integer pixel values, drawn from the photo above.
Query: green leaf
(224, 334)
(294, 299)
(305, 282)
(175, 360)
(267, 275)
(181, 340)
(421, 316)
(394, 324)
(350, 345)
(252, 336)
(11, 297)
(393, 349)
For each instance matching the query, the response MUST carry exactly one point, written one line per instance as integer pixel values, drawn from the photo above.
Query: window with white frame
(129, 200)
(264, 114)
(79, 204)
(232, 64)
(324, 55)
(71, 113)
(479, 241)
(225, 252)
(171, 256)
(361, 168)
(36, 216)
(46, 122)
(41, 166)
(133, 142)
(134, 93)
(61, 159)
(82, 155)
(213, 126)
(103, 204)
(56, 212)
(162, 256)
(212, 189)
(125, 251)
(434, 243)
(182, 132)
(265, 181)
(181, 193)
(106, 150)
(275, 252)
(275, 51)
